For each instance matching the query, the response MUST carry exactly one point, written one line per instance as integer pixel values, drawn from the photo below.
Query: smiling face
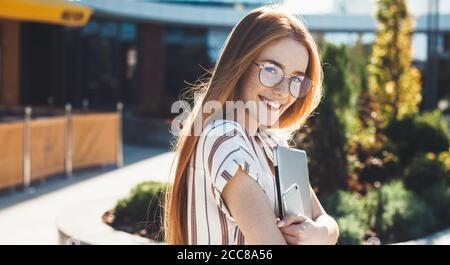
(289, 55)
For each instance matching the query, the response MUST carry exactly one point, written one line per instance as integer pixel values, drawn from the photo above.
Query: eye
(297, 79)
(271, 69)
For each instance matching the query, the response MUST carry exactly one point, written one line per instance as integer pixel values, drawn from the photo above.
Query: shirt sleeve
(226, 149)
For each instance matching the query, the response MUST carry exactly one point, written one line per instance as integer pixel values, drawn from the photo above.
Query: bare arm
(321, 217)
(301, 230)
(252, 211)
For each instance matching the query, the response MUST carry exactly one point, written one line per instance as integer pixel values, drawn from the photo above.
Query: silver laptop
(293, 187)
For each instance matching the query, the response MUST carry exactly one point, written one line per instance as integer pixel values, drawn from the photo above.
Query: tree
(325, 138)
(392, 79)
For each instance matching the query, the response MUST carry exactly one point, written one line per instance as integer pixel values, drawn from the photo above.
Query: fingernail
(281, 223)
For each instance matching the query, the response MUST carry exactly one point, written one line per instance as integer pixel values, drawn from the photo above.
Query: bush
(444, 157)
(427, 132)
(418, 221)
(348, 211)
(336, 112)
(438, 198)
(142, 208)
(351, 230)
(390, 212)
(424, 171)
(396, 214)
(382, 167)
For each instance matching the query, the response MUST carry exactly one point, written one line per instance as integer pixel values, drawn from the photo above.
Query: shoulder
(223, 140)
(220, 130)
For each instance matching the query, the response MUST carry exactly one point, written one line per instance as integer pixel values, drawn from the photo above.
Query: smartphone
(292, 201)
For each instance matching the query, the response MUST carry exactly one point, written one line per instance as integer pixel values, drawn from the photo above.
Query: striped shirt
(223, 147)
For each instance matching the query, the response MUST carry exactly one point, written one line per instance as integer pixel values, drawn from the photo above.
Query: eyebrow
(282, 66)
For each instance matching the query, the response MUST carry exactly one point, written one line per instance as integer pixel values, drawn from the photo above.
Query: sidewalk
(439, 238)
(28, 217)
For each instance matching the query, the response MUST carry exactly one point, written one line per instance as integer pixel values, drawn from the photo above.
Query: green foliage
(396, 214)
(348, 211)
(342, 203)
(359, 60)
(372, 159)
(438, 198)
(444, 157)
(417, 221)
(415, 134)
(335, 112)
(351, 230)
(424, 171)
(142, 208)
(390, 212)
(392, 78)
(342, 86)
(336, 119)
(367, 132)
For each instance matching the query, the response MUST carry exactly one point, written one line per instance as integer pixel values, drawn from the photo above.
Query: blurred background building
(143, 52)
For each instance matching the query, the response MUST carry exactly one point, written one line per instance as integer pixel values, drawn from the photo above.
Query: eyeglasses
(270, 75)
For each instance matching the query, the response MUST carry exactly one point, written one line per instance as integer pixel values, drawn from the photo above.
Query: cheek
(250, 87)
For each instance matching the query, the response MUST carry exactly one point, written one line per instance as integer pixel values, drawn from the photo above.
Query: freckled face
(292, 57)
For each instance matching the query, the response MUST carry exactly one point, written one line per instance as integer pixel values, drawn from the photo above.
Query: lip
(270, 104)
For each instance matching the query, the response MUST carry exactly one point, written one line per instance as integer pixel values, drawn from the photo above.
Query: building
(142, 53)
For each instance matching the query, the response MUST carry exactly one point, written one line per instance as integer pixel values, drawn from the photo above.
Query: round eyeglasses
(270, 75)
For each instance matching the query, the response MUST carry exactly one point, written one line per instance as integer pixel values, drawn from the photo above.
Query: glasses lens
(300, 86)
(270, 75)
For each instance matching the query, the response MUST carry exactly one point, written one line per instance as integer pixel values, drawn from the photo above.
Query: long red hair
(247, 39)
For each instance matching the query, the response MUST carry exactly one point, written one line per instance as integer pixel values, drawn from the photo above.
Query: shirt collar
(267, 141)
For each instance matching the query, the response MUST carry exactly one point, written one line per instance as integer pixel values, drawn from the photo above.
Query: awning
(47, 11)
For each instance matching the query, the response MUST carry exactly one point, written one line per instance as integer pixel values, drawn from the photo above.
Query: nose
(282, 89)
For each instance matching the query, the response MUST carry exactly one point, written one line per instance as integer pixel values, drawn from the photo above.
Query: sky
(364, 7)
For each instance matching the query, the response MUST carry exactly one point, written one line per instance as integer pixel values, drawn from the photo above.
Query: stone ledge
(82, 224)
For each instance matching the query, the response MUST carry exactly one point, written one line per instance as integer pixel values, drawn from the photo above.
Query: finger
(303, 216)
(290, 219)
(290, 239)
(294, 230)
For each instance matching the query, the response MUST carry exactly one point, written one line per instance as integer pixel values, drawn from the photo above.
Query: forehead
(289, 52)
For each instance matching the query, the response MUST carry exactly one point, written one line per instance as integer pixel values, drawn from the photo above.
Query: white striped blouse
(223, 147)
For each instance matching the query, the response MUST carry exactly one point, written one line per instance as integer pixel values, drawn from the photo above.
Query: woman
(224, 189)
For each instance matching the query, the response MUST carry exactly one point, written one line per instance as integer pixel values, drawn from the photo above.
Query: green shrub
(348, 211)
(424, 171)
(142, 208)
(427, 132)
(438, 198)
(444, 157)
(396, 214)
(336, 111)
(418, 221)
(351, 230)
(381, 167)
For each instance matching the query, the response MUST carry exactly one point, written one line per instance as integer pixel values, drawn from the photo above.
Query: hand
(301, 230)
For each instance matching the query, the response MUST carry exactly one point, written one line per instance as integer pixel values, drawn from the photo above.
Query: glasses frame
(261, 66)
